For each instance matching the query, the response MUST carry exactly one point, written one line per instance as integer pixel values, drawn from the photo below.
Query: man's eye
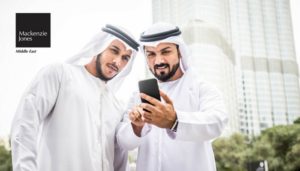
(114, 51)
(165, 52)
(150, 54)
(125, 58)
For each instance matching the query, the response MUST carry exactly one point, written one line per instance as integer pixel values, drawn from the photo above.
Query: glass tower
(246, 48)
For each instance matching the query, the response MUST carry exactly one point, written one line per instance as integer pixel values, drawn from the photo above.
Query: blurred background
(247, 48)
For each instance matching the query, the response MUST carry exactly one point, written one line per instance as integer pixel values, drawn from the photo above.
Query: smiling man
(174, 134)
(67, 118)
(164, 70)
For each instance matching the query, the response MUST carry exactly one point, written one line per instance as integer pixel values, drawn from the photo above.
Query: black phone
(149, 87)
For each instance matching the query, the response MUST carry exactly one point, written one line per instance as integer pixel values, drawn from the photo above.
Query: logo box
(33, 30)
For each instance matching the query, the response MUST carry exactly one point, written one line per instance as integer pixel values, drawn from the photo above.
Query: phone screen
(149, 87)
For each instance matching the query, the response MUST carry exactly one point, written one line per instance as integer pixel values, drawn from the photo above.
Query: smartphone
(149, 87)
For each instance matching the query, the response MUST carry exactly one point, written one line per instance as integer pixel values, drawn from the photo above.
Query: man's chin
(162, 78)
(161, 73)
(110, 75)
(105, 77)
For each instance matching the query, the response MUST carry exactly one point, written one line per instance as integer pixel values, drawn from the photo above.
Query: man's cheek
(152, 69)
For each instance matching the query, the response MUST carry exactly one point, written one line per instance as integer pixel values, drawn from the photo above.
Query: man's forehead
(120, 45)
(160, 46)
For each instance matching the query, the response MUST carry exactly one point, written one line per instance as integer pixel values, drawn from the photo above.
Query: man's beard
(99, 70)
(163, 75)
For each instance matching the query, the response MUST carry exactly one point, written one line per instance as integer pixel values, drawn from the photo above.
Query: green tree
(297, 121)
(5, 159)
(293, 157)
(280, 146)
(231, 153)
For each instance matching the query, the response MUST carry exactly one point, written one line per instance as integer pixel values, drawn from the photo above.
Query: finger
(139, 119)
(136, 114)
(140, 110)
(143, 111)
(150, 99)
(135, 117)
(148, 120)
(147, 116)
(165, 97)
(148, 107)
(136, 121)
(132, 117)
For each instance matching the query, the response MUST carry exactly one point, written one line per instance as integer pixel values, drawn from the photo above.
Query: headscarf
(166, 33)
(100, 42)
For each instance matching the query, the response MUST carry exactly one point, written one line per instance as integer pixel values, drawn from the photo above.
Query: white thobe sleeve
(120, 158)
(37, 102)
(126, 138)
(205, 124)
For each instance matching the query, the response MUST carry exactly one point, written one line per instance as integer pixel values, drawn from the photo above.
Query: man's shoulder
(51, 69)
(196, 80)
(61, 67)
(202, 85)
(57, 70)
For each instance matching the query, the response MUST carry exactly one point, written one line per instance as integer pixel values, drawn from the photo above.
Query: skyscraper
(206, 30)
(269, 91)
(246, 48)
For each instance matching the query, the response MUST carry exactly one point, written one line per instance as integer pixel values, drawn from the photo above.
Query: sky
(73, 23)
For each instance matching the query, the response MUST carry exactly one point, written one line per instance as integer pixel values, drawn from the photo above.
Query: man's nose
(159, 59)
(117, 61)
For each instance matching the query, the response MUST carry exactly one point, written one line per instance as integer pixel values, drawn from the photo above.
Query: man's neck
(91, 68)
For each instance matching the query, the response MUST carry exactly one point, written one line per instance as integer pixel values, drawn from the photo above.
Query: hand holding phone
(149, 87)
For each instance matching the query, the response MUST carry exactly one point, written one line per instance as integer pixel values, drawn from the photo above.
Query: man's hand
(158, 113)
(136, 120)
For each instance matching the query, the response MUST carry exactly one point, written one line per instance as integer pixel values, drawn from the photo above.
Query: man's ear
(178, 51)
(179, 54)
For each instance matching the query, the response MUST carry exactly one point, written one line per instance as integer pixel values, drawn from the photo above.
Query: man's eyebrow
(149, 51)
(166, 48)
(116, 47)
(129, 56)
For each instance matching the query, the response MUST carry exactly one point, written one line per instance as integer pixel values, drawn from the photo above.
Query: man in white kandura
(175, 134)
(67, 118)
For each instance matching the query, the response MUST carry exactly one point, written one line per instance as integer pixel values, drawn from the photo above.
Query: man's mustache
(113, 66)
(156, 66)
